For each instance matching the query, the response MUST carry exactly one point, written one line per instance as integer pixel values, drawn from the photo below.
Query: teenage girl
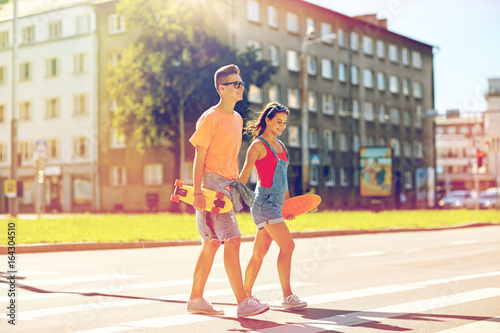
(270, 158)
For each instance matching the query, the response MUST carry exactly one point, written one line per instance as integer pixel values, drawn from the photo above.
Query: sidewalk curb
(92, 246)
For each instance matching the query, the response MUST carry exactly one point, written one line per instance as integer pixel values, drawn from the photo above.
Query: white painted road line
(455, 279)
(366, 254)
(491, 325)
(70, 280)
(363, 317)
(465, 242)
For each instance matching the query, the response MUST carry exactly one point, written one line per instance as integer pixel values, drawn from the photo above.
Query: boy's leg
(260, 248)
(281, 235)
(233, 267)
(203, 267)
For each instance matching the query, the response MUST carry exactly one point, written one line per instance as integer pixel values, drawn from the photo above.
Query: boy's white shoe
(293, 301)
(201, 305)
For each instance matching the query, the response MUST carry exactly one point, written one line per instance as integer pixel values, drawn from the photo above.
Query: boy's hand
(199, 202)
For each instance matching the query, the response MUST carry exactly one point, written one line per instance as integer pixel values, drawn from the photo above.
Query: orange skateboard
(300, 205)
(217, 202)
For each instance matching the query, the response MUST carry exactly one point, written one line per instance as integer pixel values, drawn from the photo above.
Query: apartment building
(55, 104)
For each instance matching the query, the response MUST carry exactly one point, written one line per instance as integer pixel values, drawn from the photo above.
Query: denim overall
(269, 201)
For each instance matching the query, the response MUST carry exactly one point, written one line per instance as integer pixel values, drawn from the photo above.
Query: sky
(466, 32)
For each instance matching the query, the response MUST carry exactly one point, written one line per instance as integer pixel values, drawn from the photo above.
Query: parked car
(487, 199)
(457, 199)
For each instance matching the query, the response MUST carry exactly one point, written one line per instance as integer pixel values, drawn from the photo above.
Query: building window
(314, 175)
(26, 151)
(292, 61)
(52, 67)
(368, 78)
(355, 108)
(292, 22)
(381, 81)
(343, 106)
(416, 59)
(329, 173)
(25, 111)
(312, 101)
(368, 111)
(380, 49)
(327, 102)
(343, 144)
(83, 24)
(255, 94)
(81, 147)
(395, 119)
(343, 177)
(253, 11)
(418, 116)
(117, 176)
(342, 72)
(418, 149)
(2, 113)
(327, 69)
(4, 38)
(313, 138)
(355, 143)
(405, 56)
(326, 32)
(328, 140)
(311, 65)
(255, 46)
(116, 141)
(408, 180)
(25, 71)
(393, 53)
(274, 93)
(293, 98)
(381, 113)
(382, 141)
(52, 148)
(3, 75)
(394, 84)
(417, 90)
(396, 147)
(3, 152)
(274, 55)
(367, 45)
(407, 149)
(80, 103)
(272, 16)
(406, 87)
(52, 108)
(116, 24)
(80, 63)
(354, 75)
(153, 174)
(293, 136)
(341, 38)
(55, 29)
(29, 34)
(407, 118)
(354, 41)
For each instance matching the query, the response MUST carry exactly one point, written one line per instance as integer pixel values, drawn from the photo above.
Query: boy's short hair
(223, 72)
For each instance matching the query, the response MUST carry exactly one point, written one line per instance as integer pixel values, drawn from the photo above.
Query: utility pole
(13, 202)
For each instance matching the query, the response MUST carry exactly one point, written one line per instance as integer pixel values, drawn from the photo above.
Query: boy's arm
(200, 154)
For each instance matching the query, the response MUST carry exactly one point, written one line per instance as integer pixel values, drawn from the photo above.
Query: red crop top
(267, 165)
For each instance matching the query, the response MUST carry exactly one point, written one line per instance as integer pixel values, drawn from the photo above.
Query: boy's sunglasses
(237, 84)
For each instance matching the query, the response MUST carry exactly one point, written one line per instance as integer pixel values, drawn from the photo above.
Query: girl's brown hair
(258, 126)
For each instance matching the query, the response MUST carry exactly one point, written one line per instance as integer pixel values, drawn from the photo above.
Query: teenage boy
(217, 142)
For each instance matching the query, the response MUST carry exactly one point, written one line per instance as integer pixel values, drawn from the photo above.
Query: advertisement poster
(421, 187)
(375, 171)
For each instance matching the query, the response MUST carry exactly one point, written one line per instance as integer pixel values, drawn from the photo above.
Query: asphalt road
(434, 281)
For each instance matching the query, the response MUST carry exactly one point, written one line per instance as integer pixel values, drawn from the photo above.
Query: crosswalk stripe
(366, 254)
(311, 300)
(363, 317)
(106, 290)
(69, 280)
(32, 314)
(490, 325)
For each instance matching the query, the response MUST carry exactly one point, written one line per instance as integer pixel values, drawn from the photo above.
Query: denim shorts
(267, 208)
(221, 226)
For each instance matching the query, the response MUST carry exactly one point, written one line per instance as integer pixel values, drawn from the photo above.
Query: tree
(168, 71)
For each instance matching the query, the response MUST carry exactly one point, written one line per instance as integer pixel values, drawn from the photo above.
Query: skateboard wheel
(174, 198)
(179, 183)
(215, 211)
(219, 195)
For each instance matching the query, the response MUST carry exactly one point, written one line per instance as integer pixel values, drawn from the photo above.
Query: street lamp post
(13, 203)
(304, 115)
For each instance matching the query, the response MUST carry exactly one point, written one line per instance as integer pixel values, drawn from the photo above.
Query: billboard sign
(375, 171)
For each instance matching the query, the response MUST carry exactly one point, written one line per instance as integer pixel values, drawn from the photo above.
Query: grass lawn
(164, 226)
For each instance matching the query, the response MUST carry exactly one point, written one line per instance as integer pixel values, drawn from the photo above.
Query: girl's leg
(260, 247)
(281, 235)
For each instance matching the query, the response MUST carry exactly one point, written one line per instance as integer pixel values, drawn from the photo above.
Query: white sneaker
(250, 307)
(201, 305)
(255, 298)
(293, 301)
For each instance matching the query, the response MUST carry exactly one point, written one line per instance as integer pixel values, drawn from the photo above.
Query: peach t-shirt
(221, 134)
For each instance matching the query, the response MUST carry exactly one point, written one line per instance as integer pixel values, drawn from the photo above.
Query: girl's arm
(255, 152)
